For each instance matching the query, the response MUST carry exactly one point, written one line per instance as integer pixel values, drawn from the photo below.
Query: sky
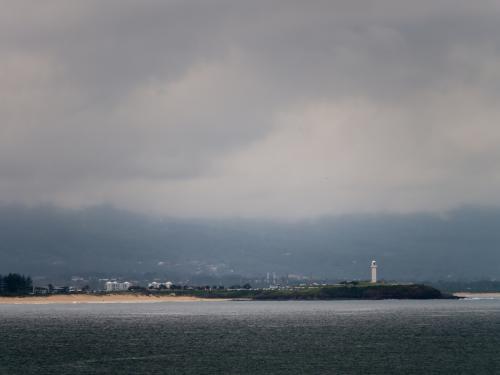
(289, 109)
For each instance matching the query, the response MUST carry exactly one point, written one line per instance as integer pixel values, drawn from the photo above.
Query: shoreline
(492, 295)
(364, 292)
(105, 298)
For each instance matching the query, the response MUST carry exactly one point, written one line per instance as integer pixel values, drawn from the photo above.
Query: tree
(17, 284)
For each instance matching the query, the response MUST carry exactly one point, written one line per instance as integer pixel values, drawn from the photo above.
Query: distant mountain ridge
(463, 244)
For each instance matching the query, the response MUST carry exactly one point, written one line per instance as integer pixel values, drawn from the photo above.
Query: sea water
(292, 337)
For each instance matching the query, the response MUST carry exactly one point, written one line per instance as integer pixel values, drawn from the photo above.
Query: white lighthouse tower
(374, 271)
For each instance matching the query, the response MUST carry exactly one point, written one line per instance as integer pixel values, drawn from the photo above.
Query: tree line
(15, 284)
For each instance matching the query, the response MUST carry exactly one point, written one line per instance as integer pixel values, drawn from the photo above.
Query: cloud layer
(260, 108)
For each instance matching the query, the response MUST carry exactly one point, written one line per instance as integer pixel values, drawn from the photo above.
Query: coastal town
(19, 285)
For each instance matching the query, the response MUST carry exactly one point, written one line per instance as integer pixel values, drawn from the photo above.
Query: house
(39, 290)
(115, 286)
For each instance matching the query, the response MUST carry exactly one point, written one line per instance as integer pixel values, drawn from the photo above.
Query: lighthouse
(374, 271)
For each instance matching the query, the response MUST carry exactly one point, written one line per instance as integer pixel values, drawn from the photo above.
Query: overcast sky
(250, 108)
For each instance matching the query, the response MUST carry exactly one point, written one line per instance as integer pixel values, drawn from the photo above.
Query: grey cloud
(240, 108)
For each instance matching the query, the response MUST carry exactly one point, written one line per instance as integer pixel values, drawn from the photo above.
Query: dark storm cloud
(250, 108)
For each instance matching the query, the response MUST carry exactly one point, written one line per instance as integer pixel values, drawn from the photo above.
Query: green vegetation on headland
(363, 291)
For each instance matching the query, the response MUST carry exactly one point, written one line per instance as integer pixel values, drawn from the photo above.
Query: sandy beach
(477, 295)
(107, 298)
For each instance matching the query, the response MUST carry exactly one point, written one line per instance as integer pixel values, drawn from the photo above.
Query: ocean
(289, 337)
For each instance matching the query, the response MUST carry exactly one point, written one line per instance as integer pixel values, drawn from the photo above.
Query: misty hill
(102, 240)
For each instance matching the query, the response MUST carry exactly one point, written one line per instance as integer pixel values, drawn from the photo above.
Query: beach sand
(105, 298)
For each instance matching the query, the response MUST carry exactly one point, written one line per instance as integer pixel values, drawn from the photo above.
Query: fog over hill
(50, 241)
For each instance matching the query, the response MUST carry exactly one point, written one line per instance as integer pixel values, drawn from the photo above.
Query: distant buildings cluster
(19, 284)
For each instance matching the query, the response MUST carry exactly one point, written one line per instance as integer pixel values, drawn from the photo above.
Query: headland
(347, 291)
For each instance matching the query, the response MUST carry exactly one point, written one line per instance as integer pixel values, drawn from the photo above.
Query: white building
(115, 286)
(374, 271)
